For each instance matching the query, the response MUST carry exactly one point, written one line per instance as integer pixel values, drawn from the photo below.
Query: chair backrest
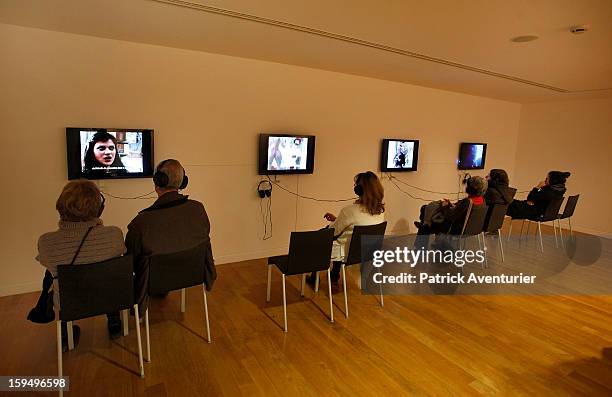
(310, 251)
(183, 269)
(552, 210)
(355, 247)
(474, 223)
(93, 289)
(512, 191)
(570, 206)
(496, 215)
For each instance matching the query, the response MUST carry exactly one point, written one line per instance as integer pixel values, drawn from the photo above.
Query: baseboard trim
(17, 289)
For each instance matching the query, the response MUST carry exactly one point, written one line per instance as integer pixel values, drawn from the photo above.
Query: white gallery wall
(208, 110)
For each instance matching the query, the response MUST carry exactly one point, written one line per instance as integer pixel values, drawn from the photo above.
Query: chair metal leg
(331, 303)
(206, 314)
(484, 248)
(569, 220)
(540, 235)
(182, 300)
(317, 282)
(382, 299)
(60, 367)
(137, 318)
(480, 247)
(147, 337)
(124, 318)
(510, 229)
(303, 284)
(528, 227)
(284, 303)
(560, 232)
(501, 246)
(521, 232)
(346, 312)
(70, 335)
(555, 229)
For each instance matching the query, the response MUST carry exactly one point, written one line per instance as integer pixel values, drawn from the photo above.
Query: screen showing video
(286, 154)
(472, 156)
(109, 153)
(399, 155)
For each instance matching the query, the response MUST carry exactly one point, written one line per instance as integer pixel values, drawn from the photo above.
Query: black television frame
(263, 154)
(73, 154)
(484, 156)
(385, 153)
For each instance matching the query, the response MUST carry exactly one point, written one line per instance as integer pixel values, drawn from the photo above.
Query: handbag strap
(81, 245)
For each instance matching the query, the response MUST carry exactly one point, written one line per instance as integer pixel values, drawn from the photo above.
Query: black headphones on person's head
(161, 179)
(102, 201)
(262, 191)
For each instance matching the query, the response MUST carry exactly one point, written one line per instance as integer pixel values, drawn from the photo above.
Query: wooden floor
(414, 346)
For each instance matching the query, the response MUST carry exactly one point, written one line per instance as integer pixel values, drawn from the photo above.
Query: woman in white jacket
(368, 209)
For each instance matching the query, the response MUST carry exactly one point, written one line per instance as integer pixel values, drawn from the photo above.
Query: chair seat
(280, 261)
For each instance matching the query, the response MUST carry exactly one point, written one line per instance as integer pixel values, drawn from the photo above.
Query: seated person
(172, 224)
(498, 190)
(540, 196)
(368, 209)
(446, 217)
(80, 205)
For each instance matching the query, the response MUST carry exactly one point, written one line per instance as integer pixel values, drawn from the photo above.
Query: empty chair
(92, 290)
(568, 212)
(494, 223)
(308, 252)
(179, 270)
(354, 254)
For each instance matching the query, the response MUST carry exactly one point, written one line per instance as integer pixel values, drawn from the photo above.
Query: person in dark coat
(449, 217)
(540, 196)
(174, 223)
(499, 191)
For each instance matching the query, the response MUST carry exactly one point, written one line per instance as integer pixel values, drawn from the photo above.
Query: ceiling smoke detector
(579, 29)
(524, 39)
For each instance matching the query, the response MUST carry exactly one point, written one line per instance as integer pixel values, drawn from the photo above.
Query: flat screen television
(286, 154)
(472, 156)
(109, 153)
(399, 155)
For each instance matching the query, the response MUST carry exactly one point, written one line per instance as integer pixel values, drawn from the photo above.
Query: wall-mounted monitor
(286, 154)
(399, 155)
(472, 156)
(109, 153)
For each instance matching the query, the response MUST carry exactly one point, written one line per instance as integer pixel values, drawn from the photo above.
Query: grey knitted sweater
(58, 247)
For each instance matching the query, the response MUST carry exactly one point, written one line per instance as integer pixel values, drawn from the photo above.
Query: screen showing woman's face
(104, 152)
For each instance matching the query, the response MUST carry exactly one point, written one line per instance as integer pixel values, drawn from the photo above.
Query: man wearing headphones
(172, 224)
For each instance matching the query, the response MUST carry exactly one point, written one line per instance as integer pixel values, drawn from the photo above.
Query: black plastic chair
(177, 271)
(494, 223)
(308, 252)
(568, 212)
(473, 225)
(550, 214)
(354, 256)
(94, 289)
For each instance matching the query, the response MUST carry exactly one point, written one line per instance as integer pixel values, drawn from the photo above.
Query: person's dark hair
(372, 192)
(80, 201)
(498, 177)
(476, 186)
(558, 177)
(90, 159)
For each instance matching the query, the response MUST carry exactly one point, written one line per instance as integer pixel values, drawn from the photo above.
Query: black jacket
(499, 194)
(172, 224)
(542, 197)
